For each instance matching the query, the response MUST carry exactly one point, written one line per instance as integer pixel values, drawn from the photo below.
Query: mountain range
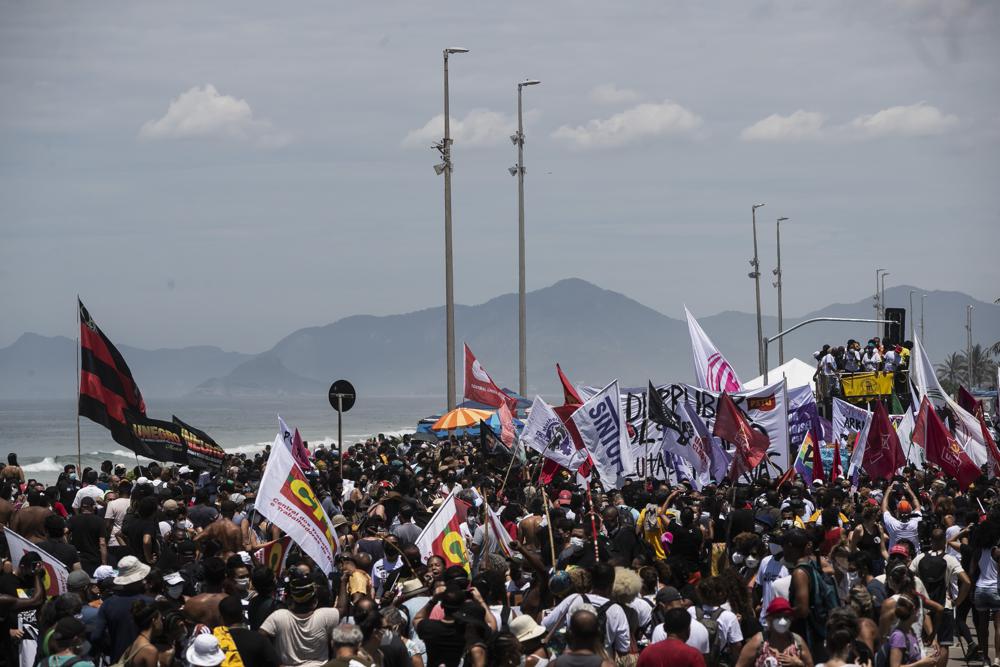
(595, 334)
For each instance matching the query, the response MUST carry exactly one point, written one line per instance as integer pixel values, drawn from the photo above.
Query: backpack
(823, 599)
(933, 571)
(715, 639)
(602, 622)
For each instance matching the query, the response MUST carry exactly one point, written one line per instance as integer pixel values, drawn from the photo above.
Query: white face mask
(576, 542)
(781, 625)
(738, 558)
(752, 562)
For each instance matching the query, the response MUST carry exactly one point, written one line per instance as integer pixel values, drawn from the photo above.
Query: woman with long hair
(149, 622)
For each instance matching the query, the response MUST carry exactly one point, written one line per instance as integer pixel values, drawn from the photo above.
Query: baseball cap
(170, 505)
(564, 498)
(77, 579)
(668, 594)
(899, 550)
(779, 606)
(904, 506)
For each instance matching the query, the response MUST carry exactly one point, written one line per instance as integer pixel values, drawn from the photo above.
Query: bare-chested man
(29, 522)
(204, 608)
(224, 531)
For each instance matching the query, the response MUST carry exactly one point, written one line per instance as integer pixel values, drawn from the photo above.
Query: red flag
(506, 426)
(300, 453)
(480, 387)
(751, 445)
(970, 404)
(941, 448)
(883, 453)
(787, 476)
(570, 395)
(835, 471)
(817, 461)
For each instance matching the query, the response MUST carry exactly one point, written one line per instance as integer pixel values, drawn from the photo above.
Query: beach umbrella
(460, 418)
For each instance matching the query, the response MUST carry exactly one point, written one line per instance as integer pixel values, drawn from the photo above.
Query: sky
(225, 173)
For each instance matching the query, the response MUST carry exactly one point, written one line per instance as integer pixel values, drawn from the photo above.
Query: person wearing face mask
(772, 568)
(776, 645)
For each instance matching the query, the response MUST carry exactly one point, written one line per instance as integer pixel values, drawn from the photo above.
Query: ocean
(43, 432)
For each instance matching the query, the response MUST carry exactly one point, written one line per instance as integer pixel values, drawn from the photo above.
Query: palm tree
(951, 372)
(982, 367)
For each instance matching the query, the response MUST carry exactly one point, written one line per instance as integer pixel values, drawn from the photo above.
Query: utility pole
(922, 297)
(449, 278)
(882, 297)
(968, 350)
(518, 170)
(911, 315)
(777, 272)
(755, 274)
(878, 299)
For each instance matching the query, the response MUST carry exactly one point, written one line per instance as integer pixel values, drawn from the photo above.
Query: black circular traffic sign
(342, 395)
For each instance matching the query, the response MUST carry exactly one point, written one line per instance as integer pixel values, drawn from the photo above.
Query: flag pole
(79, 457)
(548, 522)
(513, 455)
(593, 525)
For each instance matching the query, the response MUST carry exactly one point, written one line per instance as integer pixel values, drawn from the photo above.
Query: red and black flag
(107, 390)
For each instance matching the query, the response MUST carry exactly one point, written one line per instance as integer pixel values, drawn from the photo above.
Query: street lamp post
(445, 167)
(968, 349)
(922, 297)
(755, 274)
(518, 170)
(777, 272)
(882, 298)
(911, 315)
(878, 299)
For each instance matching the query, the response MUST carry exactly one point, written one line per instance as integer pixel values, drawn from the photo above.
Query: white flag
(287, 500)
(545, 433)
(601, 423)
(850, 427)
(56, 574)
(968, 431)
(711, 369)
(689, 443)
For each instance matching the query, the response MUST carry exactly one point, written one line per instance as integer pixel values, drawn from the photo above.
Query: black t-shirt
(66, 553)
(445, 643)
(67, 489)
(134, 532)
(687, 542)
(255, 649)
(85, 532)
(259, 608)
(373, 548)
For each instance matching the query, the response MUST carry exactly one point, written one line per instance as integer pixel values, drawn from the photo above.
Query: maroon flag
(941, 448)
(968, 402)
(835, 471)
(883, 453)
(817, 462)
(480, 387)
(751, 445)
(570, 395)
(300, 453)
(107, 390)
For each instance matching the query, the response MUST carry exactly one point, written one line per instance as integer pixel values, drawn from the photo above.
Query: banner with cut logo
(442, 536)
(56, 575)
(287, 500)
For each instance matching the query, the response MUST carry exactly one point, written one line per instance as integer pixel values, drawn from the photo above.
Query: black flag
(658, 412)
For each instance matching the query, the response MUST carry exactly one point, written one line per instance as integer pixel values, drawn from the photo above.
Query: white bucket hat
(130, 570)
(204, 651)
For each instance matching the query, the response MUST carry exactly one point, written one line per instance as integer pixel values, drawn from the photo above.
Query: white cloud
(915, 120)
(609, 93)
(800, 125)
(480, 127)
(203, 112)
(640, 122)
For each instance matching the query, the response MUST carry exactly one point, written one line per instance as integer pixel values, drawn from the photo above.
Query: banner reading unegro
(286, 499)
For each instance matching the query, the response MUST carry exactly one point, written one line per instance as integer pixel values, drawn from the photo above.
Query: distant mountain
(259, 377)
(44, 367)
(596, 334)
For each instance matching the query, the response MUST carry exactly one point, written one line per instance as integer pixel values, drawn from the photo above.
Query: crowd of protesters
(164, 568)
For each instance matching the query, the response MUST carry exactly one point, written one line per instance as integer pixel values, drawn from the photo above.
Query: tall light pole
(911, 314)
(777, 272)
(922, 297)
(878, 299)
(968, 348)
(755, 274)
(882, 298)
(445, 167)
(518, 170)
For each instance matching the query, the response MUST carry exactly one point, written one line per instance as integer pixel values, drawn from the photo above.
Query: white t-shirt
(899, 530)
(987, 570)
(698, 639)
(852, 361)
(871, 361)
(949, 533)
(617, 632)
(828, 364)
(890, 361)
(729, 625)
(302, 641)
(88, 492)
(771, 569)
(116, 511)
(954, 569)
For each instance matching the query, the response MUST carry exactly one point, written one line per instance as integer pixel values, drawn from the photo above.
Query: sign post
(342, 397)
